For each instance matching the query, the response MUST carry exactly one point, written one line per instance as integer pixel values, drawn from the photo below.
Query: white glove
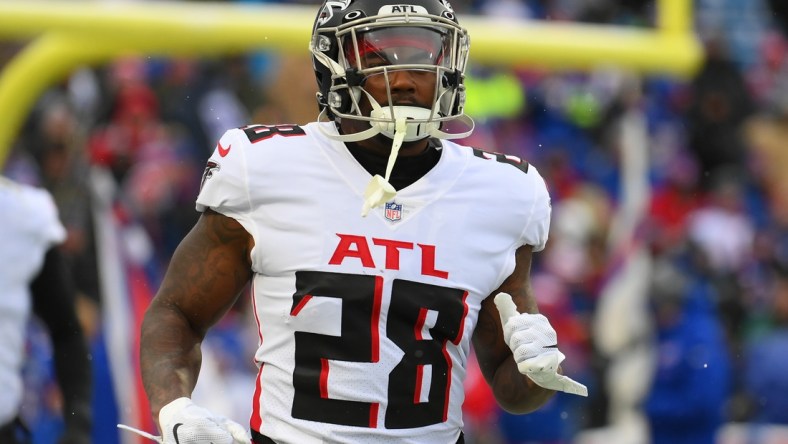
(183, 422)
(534, 345)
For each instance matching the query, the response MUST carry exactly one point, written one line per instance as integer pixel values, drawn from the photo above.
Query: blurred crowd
(666, 274)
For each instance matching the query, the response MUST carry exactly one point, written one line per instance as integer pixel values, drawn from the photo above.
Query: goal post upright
(66, 35)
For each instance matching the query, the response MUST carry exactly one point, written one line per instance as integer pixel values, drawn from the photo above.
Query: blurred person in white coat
(33, 280)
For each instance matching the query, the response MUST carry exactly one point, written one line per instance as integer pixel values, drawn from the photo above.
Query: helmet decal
(401, 9)
(447, 5)
(327, 12)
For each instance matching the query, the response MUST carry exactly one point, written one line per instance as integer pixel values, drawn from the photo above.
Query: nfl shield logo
(393, 211)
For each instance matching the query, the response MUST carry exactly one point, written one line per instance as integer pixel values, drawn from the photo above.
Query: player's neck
(407, 169)
(381, 145)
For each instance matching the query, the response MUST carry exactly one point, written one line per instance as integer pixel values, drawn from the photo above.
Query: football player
(34, 276)
(377, 250)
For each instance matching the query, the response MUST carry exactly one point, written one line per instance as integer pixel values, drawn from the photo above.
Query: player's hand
(534, 345)
(183, 422)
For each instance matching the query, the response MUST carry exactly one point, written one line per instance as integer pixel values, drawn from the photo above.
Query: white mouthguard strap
(379, 190)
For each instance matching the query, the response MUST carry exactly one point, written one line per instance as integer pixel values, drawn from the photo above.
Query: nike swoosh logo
(222, 150)
(175, 432)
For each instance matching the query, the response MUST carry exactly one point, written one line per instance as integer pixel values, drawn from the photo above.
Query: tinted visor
(398, 46)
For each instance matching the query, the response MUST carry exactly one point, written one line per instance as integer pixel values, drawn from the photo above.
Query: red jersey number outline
(361, 295)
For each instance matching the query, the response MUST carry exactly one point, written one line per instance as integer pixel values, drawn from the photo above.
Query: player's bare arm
(514, 392)
(209, 269)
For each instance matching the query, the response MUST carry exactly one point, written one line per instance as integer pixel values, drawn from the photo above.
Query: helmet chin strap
(416, 128)
(385, 117)
(379, 190)
(401, 124)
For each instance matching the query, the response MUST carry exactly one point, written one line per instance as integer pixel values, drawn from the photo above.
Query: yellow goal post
(64, 35)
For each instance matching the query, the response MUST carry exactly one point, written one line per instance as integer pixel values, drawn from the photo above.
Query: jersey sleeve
(224, 185)
(537, 226)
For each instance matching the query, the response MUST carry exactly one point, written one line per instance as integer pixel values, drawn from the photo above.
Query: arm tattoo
(207, 272)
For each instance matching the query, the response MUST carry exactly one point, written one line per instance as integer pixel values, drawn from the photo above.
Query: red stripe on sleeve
(256, 422)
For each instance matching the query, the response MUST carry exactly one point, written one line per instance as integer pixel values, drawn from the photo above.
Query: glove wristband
(168, 412)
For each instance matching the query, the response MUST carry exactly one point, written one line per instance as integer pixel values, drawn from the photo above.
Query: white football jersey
(29, 227)
(365, 322)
